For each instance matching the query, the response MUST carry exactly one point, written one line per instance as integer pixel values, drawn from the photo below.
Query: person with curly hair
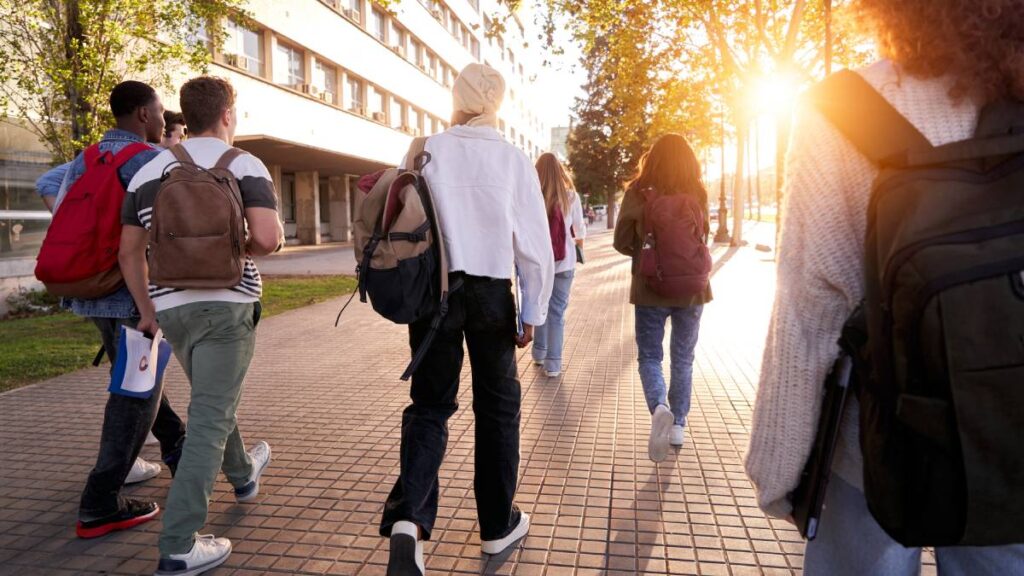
(944, 60)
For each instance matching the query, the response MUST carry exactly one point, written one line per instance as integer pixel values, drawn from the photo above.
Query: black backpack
(941, 376)
(403, 262)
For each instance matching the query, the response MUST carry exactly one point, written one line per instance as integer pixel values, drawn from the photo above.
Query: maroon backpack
(675, 261)
(556, 225)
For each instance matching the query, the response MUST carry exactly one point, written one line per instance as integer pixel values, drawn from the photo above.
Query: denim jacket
(119, 304)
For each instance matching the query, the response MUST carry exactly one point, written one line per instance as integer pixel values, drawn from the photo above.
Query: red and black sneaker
(133, 513)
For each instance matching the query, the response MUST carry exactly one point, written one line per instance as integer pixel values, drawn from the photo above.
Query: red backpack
(79, 254)
(556, 226)
(675, 261)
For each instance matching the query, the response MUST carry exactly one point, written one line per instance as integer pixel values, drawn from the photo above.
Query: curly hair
(978, 43)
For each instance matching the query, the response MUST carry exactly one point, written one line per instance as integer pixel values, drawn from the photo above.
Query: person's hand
(527, 337)
(148, 324)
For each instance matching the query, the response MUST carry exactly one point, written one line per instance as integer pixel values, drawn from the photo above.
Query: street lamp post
(722, 234)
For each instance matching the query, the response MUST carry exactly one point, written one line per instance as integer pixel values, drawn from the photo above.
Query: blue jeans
(547, 339)
(650, 340)
(851, 543)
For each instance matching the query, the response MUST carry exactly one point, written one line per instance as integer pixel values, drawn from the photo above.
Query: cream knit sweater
(820, 259)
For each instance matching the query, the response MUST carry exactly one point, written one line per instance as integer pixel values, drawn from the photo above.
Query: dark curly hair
(979, 43)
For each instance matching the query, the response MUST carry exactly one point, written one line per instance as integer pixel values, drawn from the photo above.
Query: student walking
(567, 231)
(208, 313)
(138, 113)
(663, 226)
(944, 59)
(174, 129)
(491, 213)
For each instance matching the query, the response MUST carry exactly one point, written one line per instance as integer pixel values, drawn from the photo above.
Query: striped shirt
(257, 190)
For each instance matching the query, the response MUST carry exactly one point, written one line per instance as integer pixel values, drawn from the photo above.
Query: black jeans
(484, 313)
(126, 421)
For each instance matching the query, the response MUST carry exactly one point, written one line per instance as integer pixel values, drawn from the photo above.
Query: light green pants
(214, 343)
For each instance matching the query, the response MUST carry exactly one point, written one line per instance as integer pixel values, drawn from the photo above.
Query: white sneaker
(538, 362)
(260, 455)
(406, 554)
(676, 436)
(661, 424)
(501, 544)
(142, 471)
(150, 439)
(552, 373)
(207, 552)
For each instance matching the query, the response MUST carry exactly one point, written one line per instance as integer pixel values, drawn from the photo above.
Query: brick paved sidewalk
(329, 402)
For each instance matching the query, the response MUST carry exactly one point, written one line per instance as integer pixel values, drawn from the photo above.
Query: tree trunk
(783, 125)
(78, 109)
(610, 210)
(737, 191)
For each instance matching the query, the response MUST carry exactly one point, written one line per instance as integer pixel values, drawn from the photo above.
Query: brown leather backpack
(197, 232)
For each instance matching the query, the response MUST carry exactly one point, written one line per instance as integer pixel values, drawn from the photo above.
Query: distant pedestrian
(491, 212)
(103, 509)
(944, 59)
(174, 129)
(664, 224)
(567, 231)
(208, 314)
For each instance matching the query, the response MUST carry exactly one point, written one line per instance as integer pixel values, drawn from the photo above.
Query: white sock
(410, 529)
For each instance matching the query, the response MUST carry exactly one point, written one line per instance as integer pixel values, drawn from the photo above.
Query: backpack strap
(91, 155)
(181, 155)
(415, 149)
(129, 152)
(867, 119)
(227, 158)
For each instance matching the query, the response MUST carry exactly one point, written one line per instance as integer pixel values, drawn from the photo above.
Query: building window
(325, 81)
(435, 125)
(417, 53)
(376, 106)
(378, 26)
(511, 58)
(288, 198)
(396, 38)
(476, 49)
(353, 9)
(466, 37)
(397, 107)
(432, 65)
(243, 48)
(288, 68)
(355, 95)
(447, 72)
(415, 121)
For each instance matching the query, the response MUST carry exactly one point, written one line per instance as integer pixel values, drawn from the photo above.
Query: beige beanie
(479, 90)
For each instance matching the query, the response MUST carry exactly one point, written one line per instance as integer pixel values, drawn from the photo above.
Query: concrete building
(560, 141)
(328, 90)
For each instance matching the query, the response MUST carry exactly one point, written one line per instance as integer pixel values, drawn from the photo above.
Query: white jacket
(488, 199)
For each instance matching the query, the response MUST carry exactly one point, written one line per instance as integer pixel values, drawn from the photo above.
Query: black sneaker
(405, 557)
(133, 513)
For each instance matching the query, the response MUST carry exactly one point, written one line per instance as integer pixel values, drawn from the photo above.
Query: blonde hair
(554, 183)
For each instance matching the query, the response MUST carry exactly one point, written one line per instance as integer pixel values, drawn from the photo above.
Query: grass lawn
(41, 347)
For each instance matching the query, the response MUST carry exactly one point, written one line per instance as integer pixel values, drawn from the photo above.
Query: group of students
(212, 331)
(494, 209)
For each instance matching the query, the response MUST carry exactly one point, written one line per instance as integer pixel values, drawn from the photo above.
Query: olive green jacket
(629, 230)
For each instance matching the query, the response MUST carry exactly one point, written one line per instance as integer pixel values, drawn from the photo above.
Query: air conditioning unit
(397, 49)
(411, 131)
(357, 110)
(304, 88)
(233, 60)
(379, 117)
(327, 96)
(351, 14)
(436, 13)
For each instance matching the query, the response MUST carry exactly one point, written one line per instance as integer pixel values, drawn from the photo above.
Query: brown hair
(204, 100)
(671, 167)
(171, 118)
(554, 183)
(980, 44)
